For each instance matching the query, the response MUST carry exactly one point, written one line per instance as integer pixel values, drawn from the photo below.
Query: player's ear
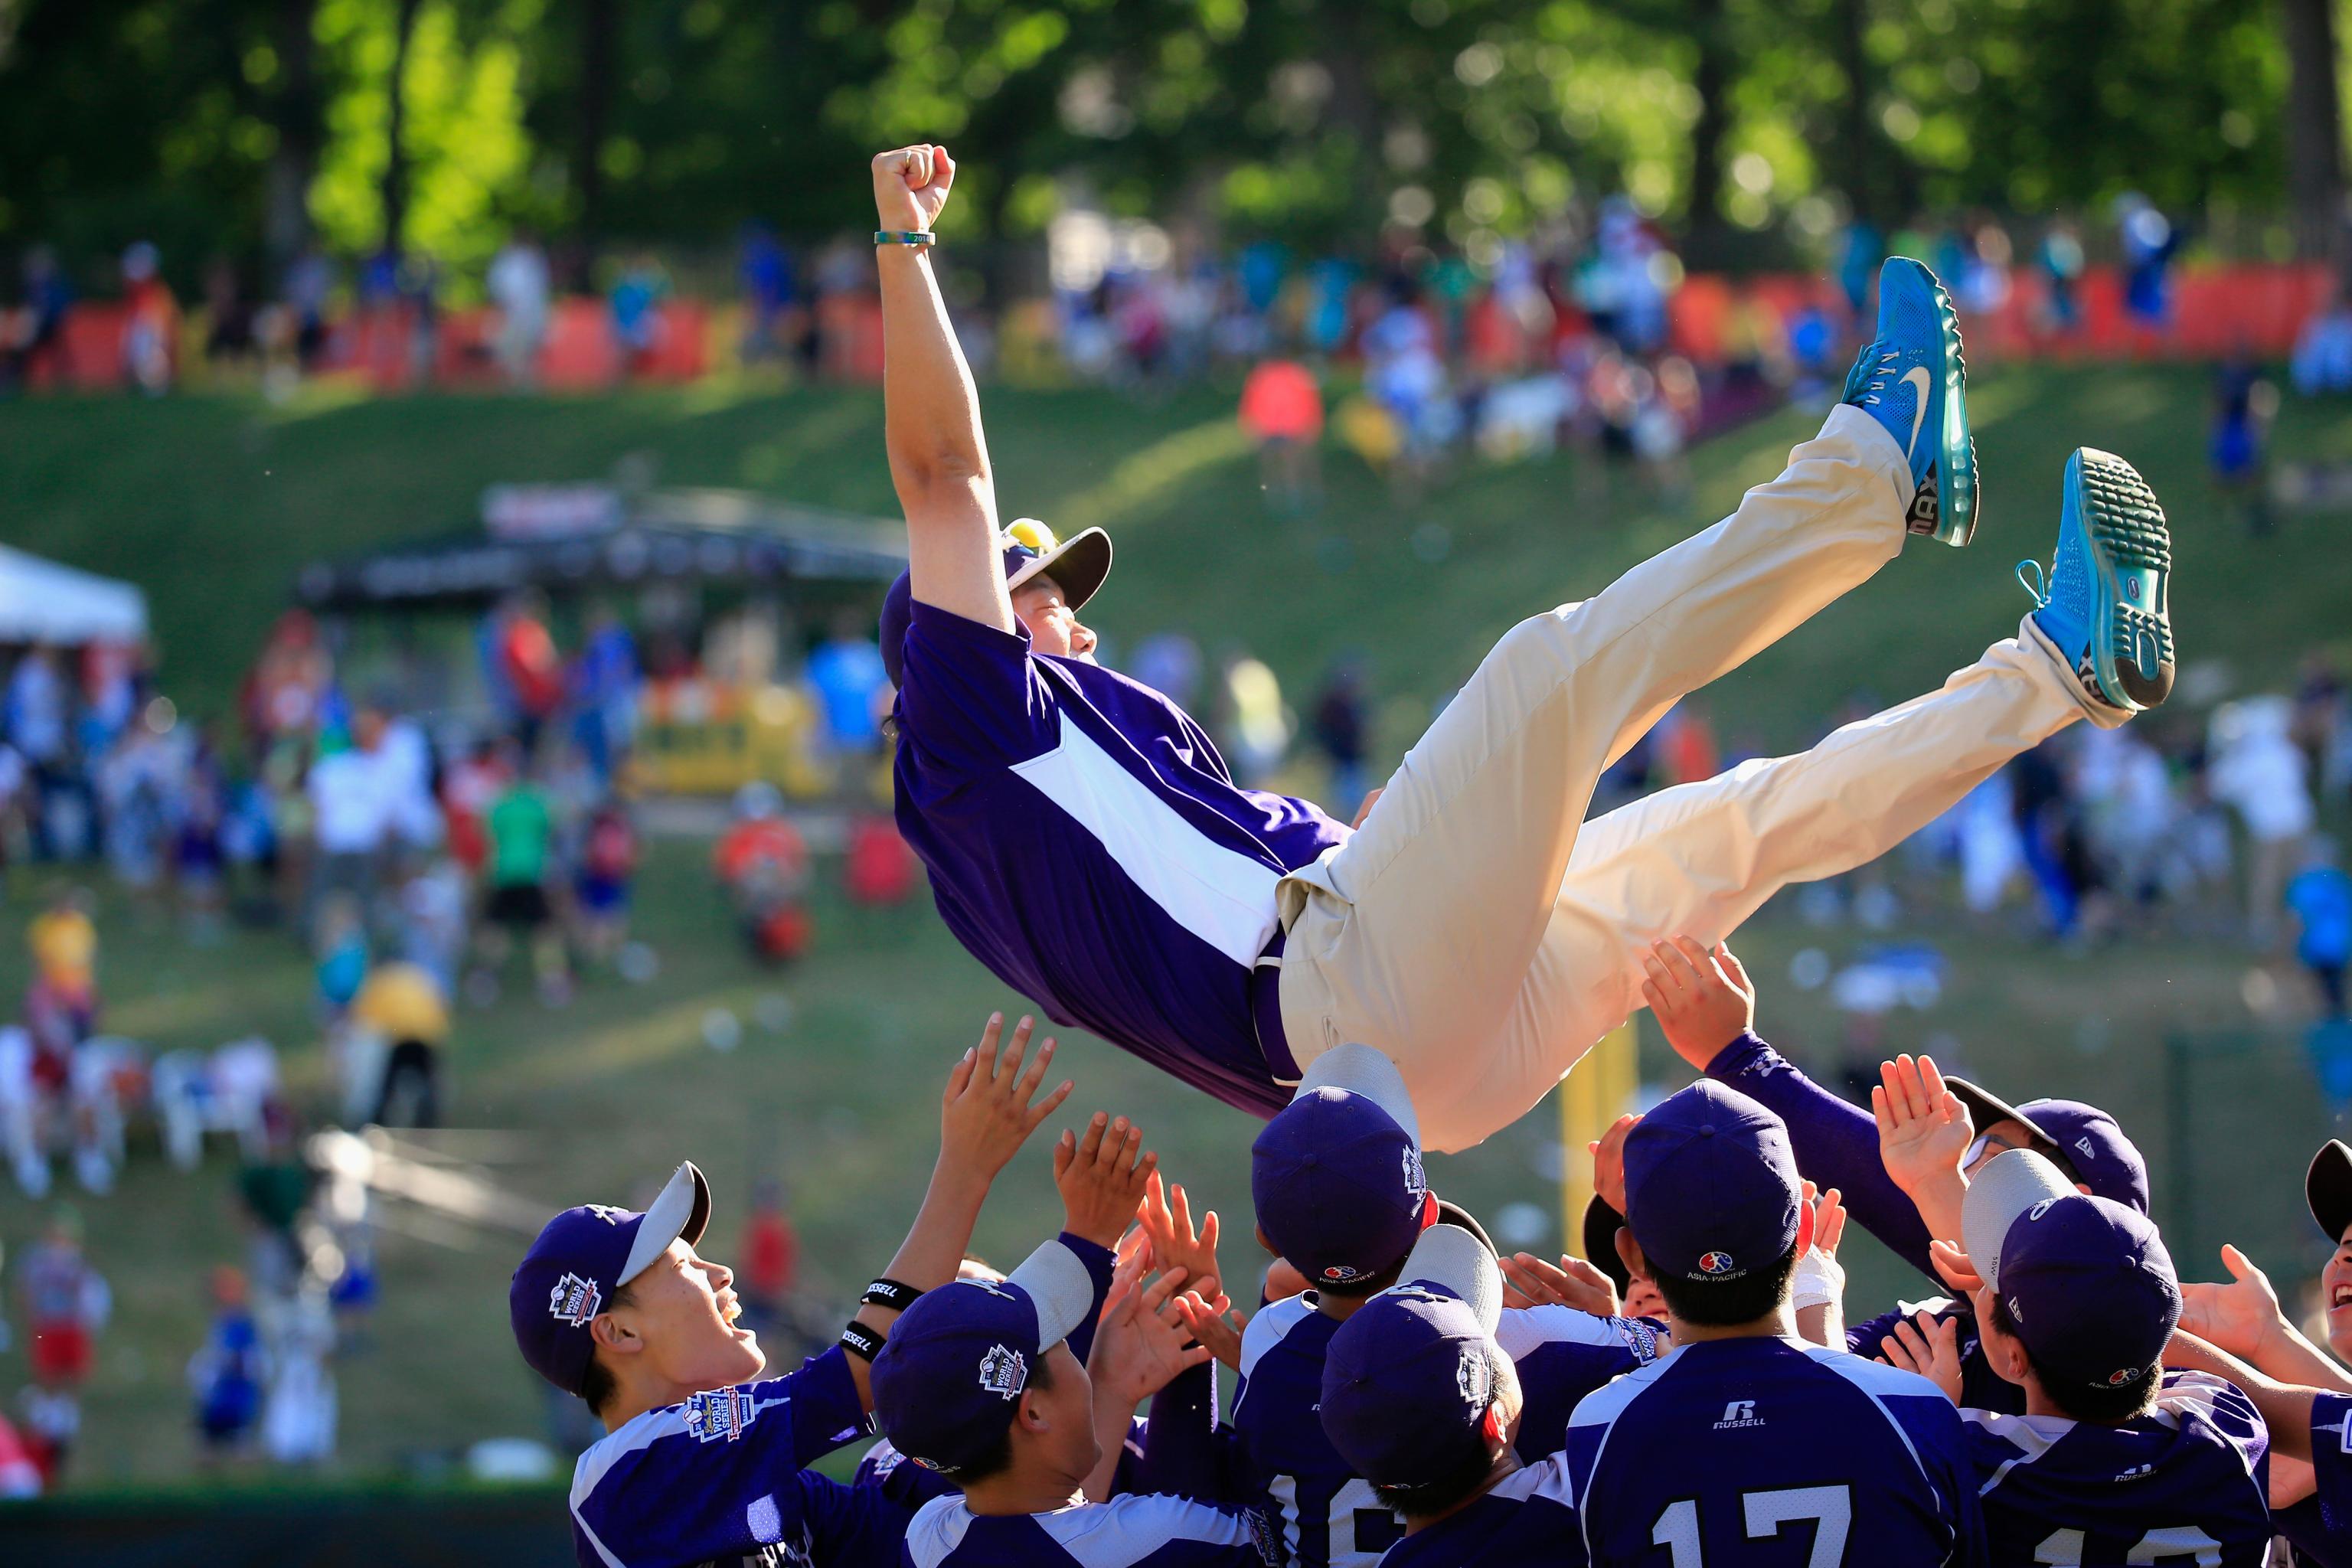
(1030, 1416)
(1629, 1253)
(610, 1333)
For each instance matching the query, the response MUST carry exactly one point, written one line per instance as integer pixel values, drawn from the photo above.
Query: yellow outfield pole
(1595, 1093)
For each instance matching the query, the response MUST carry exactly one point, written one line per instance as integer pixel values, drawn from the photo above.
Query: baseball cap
(2087, 1279)
(955, 1363)
(1408, 1378)
(1711, 1187)
(2327, 1187)
(1080, 563)
(2075, 1137)
(1336, 1175)
(1601, 1224)
(581, 1257)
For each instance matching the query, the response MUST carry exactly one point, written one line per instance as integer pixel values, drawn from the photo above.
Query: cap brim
(1601, 1224)
(1058, 1286)
(2327, 1188)
(1079, 565)
(1361, 1069)
(1985, 1108)
(679, 1214)
(1456, 1214)
(2002, 1190)
(1455, 1261)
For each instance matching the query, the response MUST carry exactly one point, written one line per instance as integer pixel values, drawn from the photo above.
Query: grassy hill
(213, 503)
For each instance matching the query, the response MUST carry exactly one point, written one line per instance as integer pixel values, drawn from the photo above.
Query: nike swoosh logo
(1919, 414)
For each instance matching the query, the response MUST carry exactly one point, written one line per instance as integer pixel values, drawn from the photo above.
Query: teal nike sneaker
(1911, 379)
(2107, 605)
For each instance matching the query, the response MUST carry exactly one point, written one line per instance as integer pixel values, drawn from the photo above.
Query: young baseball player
(1340, 1195)
(2116, 1459)
(1086, 842)
(1744, 1433)
(980, 1384)
(1422, 1400)
(705, 1460)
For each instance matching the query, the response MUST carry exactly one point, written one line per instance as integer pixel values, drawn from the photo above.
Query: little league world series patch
(574, 1301)
(719, 1412)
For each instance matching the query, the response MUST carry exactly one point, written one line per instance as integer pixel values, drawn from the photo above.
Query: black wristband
(891, 1294)
(861, 1341)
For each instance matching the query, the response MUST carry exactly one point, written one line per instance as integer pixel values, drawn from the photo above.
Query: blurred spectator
(152, 331)
(2061, 257)
(878, 868)
(342, 956)
(516, 907)
(392, 1048)
(771, 1251)
(529, 672)
(31, 339)
(228, 315)
(766, 273)
(2258, 771)
(226, 1374)
(608, 867)
(353, 793)
(1169, 662)
(762, 862)
(67, 1304)
(604, 694)
(273, 1190)
(2244, 403)
(637, 301)
(852, 687)
(1258, 726)
(1282, 411)
(35, 711)
(433, 921)
(2322, 363)
(310, 279)
(467, 790)
(1340, 726)
(20, 1469)
(518, 285)
(2149, 242)
(299, 1412)
(2320, 899)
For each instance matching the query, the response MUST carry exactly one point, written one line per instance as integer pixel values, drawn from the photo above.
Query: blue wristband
(920, 238)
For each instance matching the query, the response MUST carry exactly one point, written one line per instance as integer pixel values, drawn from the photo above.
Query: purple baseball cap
(1078, 564)
(1336, 1176)
(1711, 1188)
(955, 1363)
(581, 1257)
(2078, 1138)
(2085, 1279)
(2327, 1188)
(1408, 1378)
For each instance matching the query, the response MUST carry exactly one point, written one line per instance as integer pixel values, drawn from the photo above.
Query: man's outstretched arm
(938, 460)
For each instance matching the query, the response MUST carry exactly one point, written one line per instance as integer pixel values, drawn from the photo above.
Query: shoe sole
(2130, 651)
(1955, 469)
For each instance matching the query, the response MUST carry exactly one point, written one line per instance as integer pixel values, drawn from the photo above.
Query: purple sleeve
(2323, 1527)
(973, 698)
(1182, 1446)
(1100, 1263)
(1836, 1144)
(826, 1412)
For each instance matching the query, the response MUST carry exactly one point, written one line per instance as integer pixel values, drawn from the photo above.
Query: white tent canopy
(41, 601)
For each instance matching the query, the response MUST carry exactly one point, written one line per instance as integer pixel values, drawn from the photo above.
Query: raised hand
(1922, 1135)
(1952, 1266)
(1829, 1220)
(1144, 1342)
(1609, 1163)
(1216, 1325)
(911, 185)
(1166, 1216)
(1529, 1281)
(2241, 1317)
(1101, 1177)
(1930, 1348)
(987, 1111)
(1703, 1000)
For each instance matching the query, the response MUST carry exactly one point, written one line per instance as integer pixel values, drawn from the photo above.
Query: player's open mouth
(2341, 1296)
(729, 1309)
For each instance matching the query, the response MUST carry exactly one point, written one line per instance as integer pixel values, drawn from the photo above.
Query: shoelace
(2037, 587)
(1878, 376)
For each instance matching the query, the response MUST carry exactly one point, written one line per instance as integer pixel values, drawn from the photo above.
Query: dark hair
(1454, 1481)
(997, 1457)
(2098, 1404)
(596, 1384)
(1728, 1303)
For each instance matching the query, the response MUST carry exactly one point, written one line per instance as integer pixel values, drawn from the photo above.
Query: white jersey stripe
(1223, 897)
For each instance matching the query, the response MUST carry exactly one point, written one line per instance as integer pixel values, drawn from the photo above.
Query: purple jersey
(2189, 1483)
(2321, 1525)
(723, 1479)
(1766, 1453)
(1124, 1533)
(1086, 842)
(1325, 1516)
(1525, 1519)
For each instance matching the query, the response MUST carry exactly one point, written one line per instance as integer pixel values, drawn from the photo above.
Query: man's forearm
(929, 1257)
(930, 407)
